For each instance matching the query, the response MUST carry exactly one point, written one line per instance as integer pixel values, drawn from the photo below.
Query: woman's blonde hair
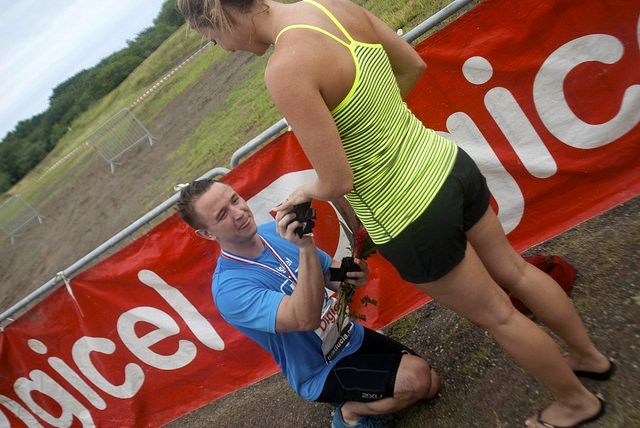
(212, 13)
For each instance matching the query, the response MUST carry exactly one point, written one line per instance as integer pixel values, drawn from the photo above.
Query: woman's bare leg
(537, 290)
(470, 291)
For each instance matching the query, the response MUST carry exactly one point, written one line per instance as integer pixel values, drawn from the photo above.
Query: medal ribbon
(290, 274)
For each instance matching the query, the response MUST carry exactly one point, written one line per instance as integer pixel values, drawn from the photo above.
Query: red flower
(363, 246)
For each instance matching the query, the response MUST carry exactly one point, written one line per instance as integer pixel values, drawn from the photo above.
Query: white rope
(67, 283)
(179, 187)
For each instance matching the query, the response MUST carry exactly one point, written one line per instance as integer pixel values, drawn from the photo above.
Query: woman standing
(338, 75)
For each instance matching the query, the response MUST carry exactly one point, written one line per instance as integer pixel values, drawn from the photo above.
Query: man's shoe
(363, 422)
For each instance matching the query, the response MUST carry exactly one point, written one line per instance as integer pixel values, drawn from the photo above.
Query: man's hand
(358, 279)
(286, 225)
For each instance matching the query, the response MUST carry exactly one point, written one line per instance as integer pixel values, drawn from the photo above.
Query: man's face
(225, 215)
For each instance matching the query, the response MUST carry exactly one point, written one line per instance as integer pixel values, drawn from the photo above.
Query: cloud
(46, 42)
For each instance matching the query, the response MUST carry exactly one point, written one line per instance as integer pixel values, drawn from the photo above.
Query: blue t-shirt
(248, 297)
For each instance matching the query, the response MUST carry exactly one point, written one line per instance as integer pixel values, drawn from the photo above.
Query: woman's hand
(358, 279)
(297, 197)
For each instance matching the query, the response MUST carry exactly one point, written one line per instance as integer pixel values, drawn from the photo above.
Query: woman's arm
(407, 64)
(292, 79)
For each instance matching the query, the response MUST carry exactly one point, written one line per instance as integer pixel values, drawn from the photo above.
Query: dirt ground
(482, 387)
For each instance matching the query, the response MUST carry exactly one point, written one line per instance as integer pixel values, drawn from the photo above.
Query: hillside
(32, 139)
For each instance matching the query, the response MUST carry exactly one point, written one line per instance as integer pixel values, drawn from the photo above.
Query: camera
(306, 216)
(346, 265)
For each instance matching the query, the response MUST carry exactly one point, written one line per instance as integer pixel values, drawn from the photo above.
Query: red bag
(556, 268)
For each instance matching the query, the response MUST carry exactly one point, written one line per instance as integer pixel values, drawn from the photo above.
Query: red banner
(544, 95)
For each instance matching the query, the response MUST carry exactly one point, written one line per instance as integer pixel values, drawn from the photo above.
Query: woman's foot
(559, 415)
(593, 366)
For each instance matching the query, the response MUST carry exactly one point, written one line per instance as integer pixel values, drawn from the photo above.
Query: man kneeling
(273, 285)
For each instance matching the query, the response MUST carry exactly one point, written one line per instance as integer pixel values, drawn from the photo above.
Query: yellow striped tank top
(398, 164)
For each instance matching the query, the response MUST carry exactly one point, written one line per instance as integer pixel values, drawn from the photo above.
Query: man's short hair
(188, 196)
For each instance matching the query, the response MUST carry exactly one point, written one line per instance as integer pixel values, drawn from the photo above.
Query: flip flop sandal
(580, 423)
(598, 376)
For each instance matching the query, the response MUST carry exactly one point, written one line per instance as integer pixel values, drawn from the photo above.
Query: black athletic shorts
(369, 374)
(435, 243)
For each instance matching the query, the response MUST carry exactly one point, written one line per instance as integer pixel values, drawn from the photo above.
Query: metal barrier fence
(266, 136)
(15, 214)
(118, 135)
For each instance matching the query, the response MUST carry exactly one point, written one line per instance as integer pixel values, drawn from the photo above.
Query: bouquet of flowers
(361, 247)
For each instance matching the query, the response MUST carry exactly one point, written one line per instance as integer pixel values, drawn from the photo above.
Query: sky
(44, 42)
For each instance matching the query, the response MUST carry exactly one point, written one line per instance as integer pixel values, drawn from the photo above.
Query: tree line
(32, 139)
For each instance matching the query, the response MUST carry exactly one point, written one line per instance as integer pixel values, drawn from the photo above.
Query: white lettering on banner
(42, 383)
(133, 377)
(520, 133)
(167, 327)
(552, 106)
(503, 187)
(19, 411)
(198, 324)
(511, 120)
(81, 352)
(68, 374)
(77, 382)
(554, 111)
(4, 422)
(37, 346)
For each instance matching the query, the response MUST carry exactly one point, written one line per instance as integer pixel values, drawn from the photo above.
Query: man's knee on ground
(415, 379)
